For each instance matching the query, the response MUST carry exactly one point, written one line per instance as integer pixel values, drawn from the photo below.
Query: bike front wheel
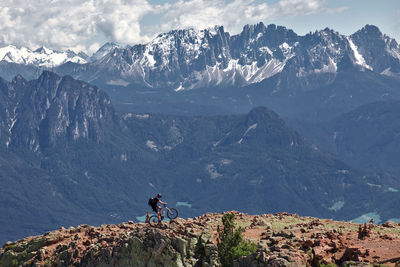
(154, 221)
(172, 213)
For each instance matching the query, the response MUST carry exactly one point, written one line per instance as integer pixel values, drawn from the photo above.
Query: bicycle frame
(164, 212)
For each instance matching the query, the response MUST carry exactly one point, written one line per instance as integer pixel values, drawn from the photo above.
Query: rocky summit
(283, 239)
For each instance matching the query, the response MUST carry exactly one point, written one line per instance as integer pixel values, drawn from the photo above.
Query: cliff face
(283, 240)
(40, 113)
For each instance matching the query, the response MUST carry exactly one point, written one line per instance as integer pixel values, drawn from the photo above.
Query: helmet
(159, 195)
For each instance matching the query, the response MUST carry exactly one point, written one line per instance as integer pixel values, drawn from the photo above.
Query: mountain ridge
(282, 239)
(368, 133)
(41, 57)
(187, 59)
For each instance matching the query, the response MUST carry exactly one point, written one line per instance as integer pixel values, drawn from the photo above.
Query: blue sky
(85, 25)
(383, 13)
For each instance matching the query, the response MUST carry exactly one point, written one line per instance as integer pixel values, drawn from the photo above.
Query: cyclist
(153, 204)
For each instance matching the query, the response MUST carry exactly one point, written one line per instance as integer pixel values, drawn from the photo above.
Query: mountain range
(41, 57)
(70, 158)
(207, 72)
(91, 140)
(187, 59)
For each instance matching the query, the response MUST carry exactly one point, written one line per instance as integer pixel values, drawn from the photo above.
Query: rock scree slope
(283, 239)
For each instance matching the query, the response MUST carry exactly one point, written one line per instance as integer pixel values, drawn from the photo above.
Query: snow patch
(119, 82)
(137, 116)
(265, 49)
(393, 190)
(212, 171)
(220, 140)
(151, 144)
(337, 206)
(331, 67)
(148, 58)
(359, 58)
(42, 57)
(251, 127)
(374, 185)
(388, 72)
(179, 88)
(286, 50)
(343, 171)
(226, 161)
(124, 157)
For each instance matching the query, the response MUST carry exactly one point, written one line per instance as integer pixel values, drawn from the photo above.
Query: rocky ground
(284, 240)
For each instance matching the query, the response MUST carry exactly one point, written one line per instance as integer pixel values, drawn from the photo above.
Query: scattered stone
(389, 224)
(364, 231)
(283, 240)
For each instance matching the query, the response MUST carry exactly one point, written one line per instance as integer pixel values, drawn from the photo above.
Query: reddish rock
(389, 224)
(354, 254)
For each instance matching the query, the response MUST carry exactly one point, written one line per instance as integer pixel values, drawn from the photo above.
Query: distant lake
(178, 204)
(184, 204)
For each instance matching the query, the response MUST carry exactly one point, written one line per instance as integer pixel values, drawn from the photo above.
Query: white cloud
(70, 24)
(94, 47)
(86, 24)
(234, 14)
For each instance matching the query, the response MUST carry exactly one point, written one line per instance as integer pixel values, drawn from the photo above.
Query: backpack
(152, 201)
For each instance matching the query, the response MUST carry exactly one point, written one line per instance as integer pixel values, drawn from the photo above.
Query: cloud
(85, 24)
(233, 15)
(70, 24)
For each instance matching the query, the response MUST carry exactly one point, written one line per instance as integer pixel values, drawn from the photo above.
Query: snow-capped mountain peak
(189, 58)
(104, 50)
(43, 50)
(41, 57)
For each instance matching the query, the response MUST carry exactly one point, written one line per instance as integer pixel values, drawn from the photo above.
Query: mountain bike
(171, 213)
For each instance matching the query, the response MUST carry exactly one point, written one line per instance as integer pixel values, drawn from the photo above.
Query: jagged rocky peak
(271, 36)
(379, 51)
(371, 31)
(328, 34)
(249, 30)
(188, 43)
(53, 110)
(104, 50)
(263, 125)
(188, 58)
(369, 35)
(43, 50)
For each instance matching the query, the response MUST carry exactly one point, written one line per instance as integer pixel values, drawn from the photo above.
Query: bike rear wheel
(172, 213)
(154, 221)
